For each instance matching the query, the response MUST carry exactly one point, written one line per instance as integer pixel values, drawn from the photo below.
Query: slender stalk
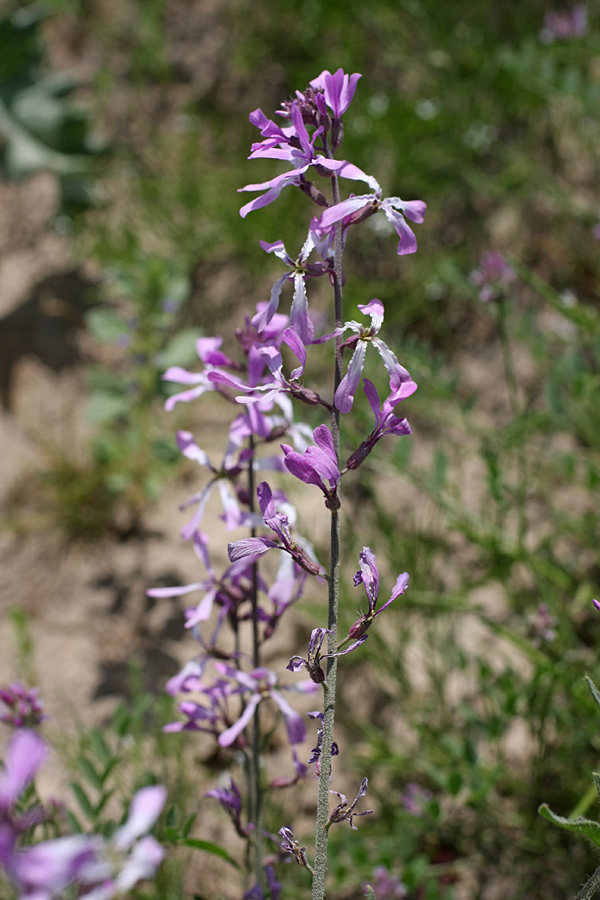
(511, 382)
(320, 863)
(255, 791)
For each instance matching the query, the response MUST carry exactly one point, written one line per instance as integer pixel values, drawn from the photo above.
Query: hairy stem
(255, 786)
(320, 864)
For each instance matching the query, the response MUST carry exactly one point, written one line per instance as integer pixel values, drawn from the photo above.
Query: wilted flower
(343, 811)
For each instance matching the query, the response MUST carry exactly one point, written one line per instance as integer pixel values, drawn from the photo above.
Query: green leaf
(102, 803)
(83, 800)
(210, 848)
(100, 747)
(586, 827)
(105, 324)
(73, 822)
(89, 772)
(597, 783)
(104, 408)
(181, 349)
(593, 689)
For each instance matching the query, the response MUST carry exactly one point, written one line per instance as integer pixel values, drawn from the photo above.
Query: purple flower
(279, 525)
(493, 275)
(21, 706)
(338, 88)
(301, 270)
(542, 625)
(229, 590)
(297, 148)
(313, 663)
(45, 870)
(565, 25)
(386, 422)
(260, 683)
(26, 752)
(368, 574)
(209, 353)
(343, 812)
(357, 209)
(596, 604)
(317, 465)
(385, 885)
(231, 801)
(344, 395)
(414, 799)
(131, 854)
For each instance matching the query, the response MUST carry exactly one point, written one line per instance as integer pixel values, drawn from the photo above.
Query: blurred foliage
(41, 128)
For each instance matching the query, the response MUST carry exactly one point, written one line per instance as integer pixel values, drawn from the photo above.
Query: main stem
(255, 791)
(320, 863)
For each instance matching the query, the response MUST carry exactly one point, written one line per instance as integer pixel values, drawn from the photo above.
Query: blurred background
(124, 136)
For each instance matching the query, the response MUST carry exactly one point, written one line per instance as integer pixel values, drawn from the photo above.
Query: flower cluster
(20, 706)
(226, 687)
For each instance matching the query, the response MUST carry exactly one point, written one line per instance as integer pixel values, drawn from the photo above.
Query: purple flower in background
(358, 208)
(21, 706)
(26, 752)
(259, 684)
(542, 625)
(367, 334)
(385, 885)
(316, 465)
(386, 422)
(131, 854)
(45, 870)
(368, 574)
(414, 799)
(493, 276)
(343, 812)
(561, 26)
(596, 604)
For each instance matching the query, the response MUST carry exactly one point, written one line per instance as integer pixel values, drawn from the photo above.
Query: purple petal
(344, 396)
(249, 547)
(145, 809)
(228, 737)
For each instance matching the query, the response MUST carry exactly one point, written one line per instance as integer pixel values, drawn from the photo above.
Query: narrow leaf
(593, 689)
(83, 800)
(585, 827)
(210, 848)
(89, 772)
(99, 746)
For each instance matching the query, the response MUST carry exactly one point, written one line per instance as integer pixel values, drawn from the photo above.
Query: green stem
(513, 395)
(590, 887)
(255, 785)
(322, 832)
